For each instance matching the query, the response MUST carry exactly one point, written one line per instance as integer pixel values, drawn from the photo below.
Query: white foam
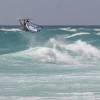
(77, 34)
(96, 29)
(98, 33)
(12, 29)
(79, 47)
(68, 29)
(45, 54)
(67, 96)
(20, 98)
(84, 49)
(61, 53)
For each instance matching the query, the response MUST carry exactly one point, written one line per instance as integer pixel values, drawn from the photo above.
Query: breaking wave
(68, 29)
(59, 52)
(77, 34)
(8, 30)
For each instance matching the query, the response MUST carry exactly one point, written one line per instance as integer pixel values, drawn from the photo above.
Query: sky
(51, 12)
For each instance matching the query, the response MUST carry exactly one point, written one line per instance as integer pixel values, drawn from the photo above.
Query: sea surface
(57, 63)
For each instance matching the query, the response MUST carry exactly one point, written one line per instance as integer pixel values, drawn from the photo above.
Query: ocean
(57, 63)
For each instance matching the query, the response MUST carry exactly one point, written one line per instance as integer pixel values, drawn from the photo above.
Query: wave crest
(50, 55)
(80, 48)
(8, 30)
(77, 34)
(68, 29)
(61, 53)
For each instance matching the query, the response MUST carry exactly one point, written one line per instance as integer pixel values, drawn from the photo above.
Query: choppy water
(58, 63)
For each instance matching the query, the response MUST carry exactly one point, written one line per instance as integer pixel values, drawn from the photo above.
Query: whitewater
(57, 63)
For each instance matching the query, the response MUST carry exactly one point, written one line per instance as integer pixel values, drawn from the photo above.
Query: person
(27, 21)
(23, 23)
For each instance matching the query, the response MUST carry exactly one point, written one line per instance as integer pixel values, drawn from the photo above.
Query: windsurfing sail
(27, 25)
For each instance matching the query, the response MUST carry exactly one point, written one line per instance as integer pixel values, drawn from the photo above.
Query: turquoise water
(58, 63)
